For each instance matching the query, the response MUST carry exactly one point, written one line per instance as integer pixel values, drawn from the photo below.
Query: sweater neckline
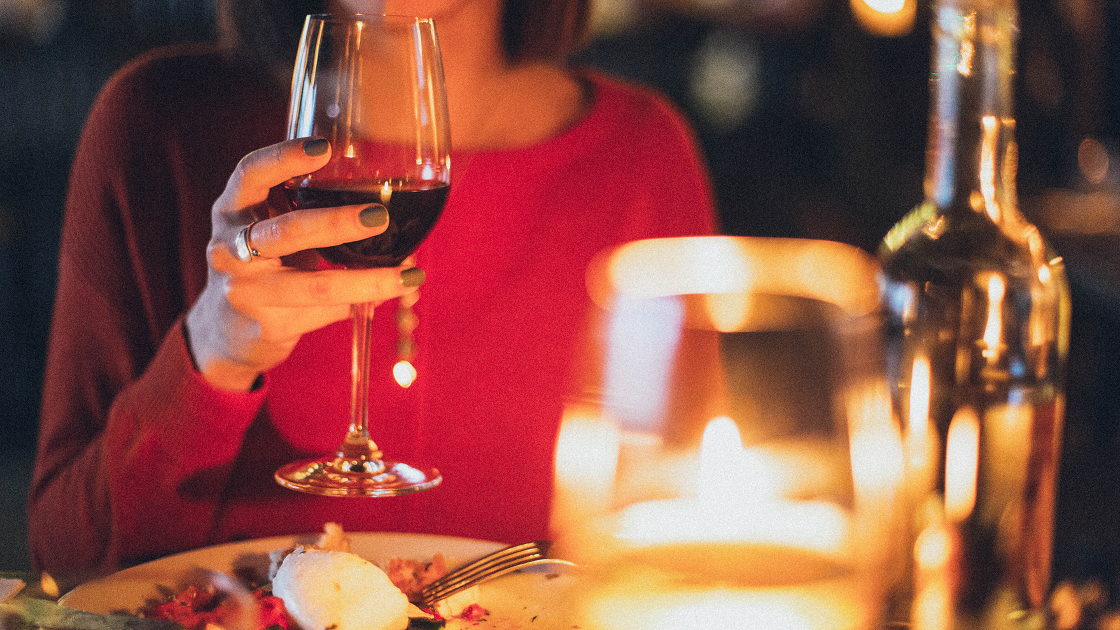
(597, 89)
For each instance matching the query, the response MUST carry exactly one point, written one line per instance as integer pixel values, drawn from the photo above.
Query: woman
(180, 376)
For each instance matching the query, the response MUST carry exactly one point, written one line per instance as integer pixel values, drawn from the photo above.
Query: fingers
(292, 288)
(247, 192)
(246, 322)
(262, 169)
(320, 227)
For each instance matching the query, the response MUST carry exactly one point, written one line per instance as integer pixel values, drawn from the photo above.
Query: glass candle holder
(732, 460)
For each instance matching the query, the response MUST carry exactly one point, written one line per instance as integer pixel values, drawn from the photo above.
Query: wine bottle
(977, 320)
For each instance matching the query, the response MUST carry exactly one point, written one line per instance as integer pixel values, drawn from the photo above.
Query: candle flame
(721, 462)
(738, 501)
(386, 193)
(920, 441)
(730, 475)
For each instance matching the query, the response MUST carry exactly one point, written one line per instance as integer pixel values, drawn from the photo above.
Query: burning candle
(736, 502)
(681, 530)
(733, 554)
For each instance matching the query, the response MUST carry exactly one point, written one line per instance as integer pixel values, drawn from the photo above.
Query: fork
(488, 567)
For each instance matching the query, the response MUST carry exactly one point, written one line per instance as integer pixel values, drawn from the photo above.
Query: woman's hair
(547, 30)
(265, 32)
(268, 31)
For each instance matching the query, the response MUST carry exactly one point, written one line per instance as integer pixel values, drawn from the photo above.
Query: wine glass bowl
(372, 85)
(414, 208)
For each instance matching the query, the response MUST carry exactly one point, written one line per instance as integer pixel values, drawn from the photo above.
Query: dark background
(811, 125)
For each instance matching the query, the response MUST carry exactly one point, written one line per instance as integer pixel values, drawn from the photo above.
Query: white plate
(532, 599)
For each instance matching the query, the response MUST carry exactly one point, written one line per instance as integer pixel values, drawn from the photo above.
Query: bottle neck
(972, 154)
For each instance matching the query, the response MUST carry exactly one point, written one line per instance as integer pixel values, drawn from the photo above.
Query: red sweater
(140, 457)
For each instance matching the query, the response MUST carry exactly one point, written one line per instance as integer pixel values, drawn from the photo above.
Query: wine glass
(373, 86)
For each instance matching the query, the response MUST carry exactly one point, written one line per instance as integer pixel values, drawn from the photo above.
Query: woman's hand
(254, 309)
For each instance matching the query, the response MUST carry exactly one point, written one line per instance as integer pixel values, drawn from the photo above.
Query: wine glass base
(329, 477)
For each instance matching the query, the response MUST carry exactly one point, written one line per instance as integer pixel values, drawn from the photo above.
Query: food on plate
(333, 538)
(411, 576)
(325, 587)
(461, 605)
(336, 590)
(195, 608)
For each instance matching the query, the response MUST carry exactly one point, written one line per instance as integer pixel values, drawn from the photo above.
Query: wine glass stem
(358, 444)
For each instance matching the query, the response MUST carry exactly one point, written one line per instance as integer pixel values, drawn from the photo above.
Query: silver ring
(243, 245)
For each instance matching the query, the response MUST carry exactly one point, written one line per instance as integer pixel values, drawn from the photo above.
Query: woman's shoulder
(171, 78)
(168, 68)
(197, 95)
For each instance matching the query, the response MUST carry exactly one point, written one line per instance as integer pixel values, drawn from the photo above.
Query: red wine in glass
(414, 208)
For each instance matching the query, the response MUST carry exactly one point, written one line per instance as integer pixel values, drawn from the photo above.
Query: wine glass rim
(365, 17)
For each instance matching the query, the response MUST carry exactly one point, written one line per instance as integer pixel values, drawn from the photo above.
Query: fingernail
(412, 277)
(316, 147)
(374, 216)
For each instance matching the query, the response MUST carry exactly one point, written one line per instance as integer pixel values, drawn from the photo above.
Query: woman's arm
(146, 402)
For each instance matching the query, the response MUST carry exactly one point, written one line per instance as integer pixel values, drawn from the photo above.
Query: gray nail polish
(412, 277)
(374, 216)
(316, 147)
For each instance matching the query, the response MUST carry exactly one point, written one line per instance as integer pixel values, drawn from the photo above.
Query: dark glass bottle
(977, 309)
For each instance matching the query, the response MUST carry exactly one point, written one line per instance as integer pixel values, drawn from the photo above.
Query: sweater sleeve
(134, 445)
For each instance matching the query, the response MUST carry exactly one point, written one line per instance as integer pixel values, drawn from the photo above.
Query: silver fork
(488, 567)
